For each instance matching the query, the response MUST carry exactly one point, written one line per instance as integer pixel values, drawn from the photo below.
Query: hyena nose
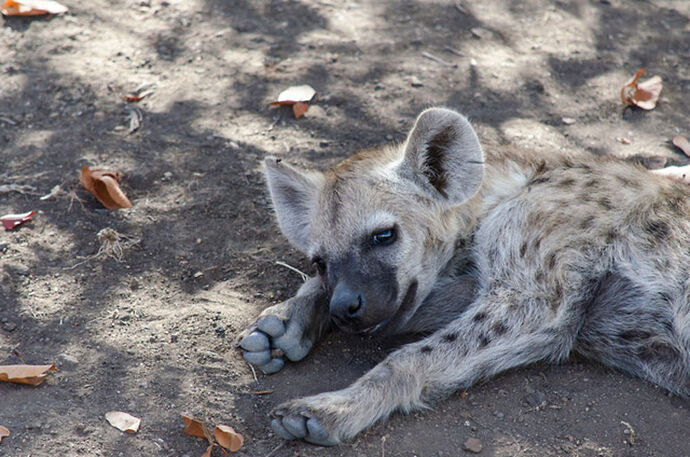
(346, 303)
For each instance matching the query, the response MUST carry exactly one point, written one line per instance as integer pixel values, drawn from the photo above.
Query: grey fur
(508, 257)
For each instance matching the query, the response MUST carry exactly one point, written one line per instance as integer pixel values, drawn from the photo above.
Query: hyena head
(381, 225)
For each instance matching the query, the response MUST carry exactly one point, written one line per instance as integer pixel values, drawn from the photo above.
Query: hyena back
(506, 258)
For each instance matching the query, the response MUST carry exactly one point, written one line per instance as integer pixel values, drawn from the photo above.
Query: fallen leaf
(4, 431)
(209, 449)
(228, 437)
(10, 221)
(295, 94)
(299, 109)
(194, 427)
(123, 421)
(31, 7)
(643, 95)
(298, 96)
(136, 117)
(682, 143)
(103, 184)
(25, 374)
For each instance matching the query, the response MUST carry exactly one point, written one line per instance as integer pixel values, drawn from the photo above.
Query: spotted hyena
(504, 258)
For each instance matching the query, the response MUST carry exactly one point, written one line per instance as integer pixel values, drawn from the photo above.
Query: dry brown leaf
(682, 143)
(209, 449)
(10, 221)
(643, 95)
(194, 427)
(123, 421)
(297, 96)
(31, 7)
(4, 431)
(299, 109)
(228, 437)
(103, 184)
(25, 374)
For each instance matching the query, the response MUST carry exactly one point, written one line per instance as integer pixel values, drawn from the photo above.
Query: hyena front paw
(300, 419)
(277, 333)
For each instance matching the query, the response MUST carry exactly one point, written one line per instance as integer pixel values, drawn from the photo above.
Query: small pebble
(473, 445)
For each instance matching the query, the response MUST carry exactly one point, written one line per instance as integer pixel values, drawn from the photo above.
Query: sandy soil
(153, 334)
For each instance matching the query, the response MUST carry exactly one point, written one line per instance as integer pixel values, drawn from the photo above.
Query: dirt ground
(153, 334)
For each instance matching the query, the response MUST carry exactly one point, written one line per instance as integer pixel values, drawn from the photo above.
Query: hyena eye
(383, 238)
(320, 265)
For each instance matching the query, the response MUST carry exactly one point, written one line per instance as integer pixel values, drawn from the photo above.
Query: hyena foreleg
(287, 329)
(488, 339)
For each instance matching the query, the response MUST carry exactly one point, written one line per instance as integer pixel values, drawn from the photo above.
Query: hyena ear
(443, 155)
(294, 194)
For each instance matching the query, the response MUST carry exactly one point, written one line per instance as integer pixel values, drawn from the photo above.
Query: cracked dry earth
(153, 334)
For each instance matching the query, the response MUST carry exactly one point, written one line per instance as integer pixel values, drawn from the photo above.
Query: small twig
(631, 436)
(453, 51)
(438, 60)
(279, 447)
(290, 267)
(8, 120)
(18, 354)
(460, 8)
(262, 392)
(253, 372)
(383, 446)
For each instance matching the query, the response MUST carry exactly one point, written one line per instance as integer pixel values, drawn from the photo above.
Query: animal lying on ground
(502, 258)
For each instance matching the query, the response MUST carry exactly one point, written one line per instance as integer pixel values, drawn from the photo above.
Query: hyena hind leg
(288, 329)
(636, 332)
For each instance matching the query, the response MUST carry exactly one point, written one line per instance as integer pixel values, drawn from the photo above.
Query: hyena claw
(286, 330)
(296, 426)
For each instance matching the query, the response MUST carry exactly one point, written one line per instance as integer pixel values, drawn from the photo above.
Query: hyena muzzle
(503, 258)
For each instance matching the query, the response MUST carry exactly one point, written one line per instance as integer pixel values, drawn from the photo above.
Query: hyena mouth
(401, 313)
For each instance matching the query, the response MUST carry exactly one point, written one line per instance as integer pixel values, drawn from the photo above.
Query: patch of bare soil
(152, 334)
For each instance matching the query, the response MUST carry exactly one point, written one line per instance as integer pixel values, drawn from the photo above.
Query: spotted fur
(505, 257)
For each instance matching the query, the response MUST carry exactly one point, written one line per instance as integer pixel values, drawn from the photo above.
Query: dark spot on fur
(436, 151)
(499, 328)
(484, 341)
(587, 222)
(665, 296)
(450, 337)
(657, 229)
(624, 180)
(551, 261)
(676, 203)
(635, 335)
(558, 295)
(605, 203)
(659, 352)
(479, 317)
(537, 243)
(591, 183)
(540, 180)
(523, 249)
(567, 182)
(541, 168)
(611, 235)
(568, 163)
(539, 277)
(426, 349)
